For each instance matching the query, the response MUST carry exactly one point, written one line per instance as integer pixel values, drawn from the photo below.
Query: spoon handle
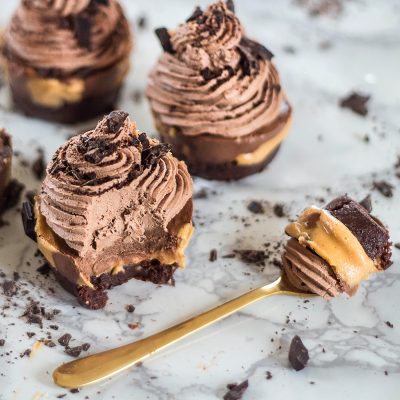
(103, 365)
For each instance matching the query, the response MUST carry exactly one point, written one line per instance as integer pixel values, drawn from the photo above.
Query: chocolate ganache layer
(215, 94)
(112, 198)
(57, 38)
(333, 250)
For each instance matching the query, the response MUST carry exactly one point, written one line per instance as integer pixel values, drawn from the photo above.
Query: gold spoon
(100, 366)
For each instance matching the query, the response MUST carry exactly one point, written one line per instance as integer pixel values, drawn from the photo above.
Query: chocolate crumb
(356, 102)
(30, 334)
(298, 354)
(86, 346)
(142, 22)
(13, 194)
(279, 210)
(386, 373)
(268, 375)
(64, 339)
(165, 40)
(252, 256)
(25, 353)
(397, 245)
(134, 325)
(201, 194)
(44, 269)
(73, 351)
(366, 203)
(2, 342)
(213, 255)
(130, 308)
(74, 390)
(255, 207)
(61, 396)
(236, 391)
(39, 166)
(384, 188)
(9, 288)
(49, 343)
(389, 324)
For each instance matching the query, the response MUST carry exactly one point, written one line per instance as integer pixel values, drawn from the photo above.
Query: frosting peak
(110, 185)
(208, 39)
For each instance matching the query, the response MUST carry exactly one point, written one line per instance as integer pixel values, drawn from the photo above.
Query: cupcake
(216, 96)
(66, 60)
(114, 205)
(332, 250)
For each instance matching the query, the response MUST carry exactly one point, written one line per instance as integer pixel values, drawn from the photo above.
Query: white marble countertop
(354, 353)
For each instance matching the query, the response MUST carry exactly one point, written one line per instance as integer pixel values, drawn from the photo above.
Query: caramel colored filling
(318, 230)
(49, 244)
(264, 150)
(54, 93)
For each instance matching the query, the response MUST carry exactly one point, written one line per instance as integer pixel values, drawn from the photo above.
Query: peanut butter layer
(318, 230)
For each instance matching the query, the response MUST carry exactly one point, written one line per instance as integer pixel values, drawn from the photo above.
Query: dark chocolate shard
(152, 154)
(356, 102)
(298, 354)
(236, 391)
(230, 5)
(64, 339)
(165, 39)
(82, 28)
(195, 15)
(256, 49)
(367, 203)
(29, 220)
(384, 188)
(209, 74)
(115, 120)
(213, 255)
(371, 234)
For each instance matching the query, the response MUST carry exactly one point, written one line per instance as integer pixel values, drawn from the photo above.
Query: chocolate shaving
(115, 120)
(356, 102)
(236, 391)
(384, 188)
(230, 5)
(28, 220)
(165, 40)
(366, 203)
(298, 354)
(82, 27)
(195, 15)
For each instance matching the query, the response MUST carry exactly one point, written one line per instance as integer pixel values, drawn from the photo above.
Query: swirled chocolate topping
(334, 249)
(58, 37)
(113, 188)
(213, 79)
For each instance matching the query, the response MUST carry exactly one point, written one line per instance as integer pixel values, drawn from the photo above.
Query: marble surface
(354, 353)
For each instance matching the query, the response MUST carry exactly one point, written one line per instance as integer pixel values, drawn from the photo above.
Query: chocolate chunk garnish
(142, 22)
(230, 5)
(82, 27)
(73, 351)
(165, 40)
(130, 308)
(213, 255)
(30, 334)
(356, 102)
(366, 203)
(9, 288)
(115, 120)
(255, 207)
(74, 390)
(298, 354)
(209, 74)
(28, 220)
(236, 391)
(384, 187)
(64, 339)
(152, 154)
(195, 15)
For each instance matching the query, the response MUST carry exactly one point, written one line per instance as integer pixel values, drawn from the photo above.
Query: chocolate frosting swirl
(309, 272)
(112, 184)
(215, 80)
(58, 37)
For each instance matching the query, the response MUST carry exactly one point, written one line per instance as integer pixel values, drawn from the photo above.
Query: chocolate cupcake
(66, 60)
(332, 250)
(114, 205)
(5, 168)
(216, 96)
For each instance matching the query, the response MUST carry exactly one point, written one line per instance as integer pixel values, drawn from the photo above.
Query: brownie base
(69, 113)
(231, 171)
(96, 298)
